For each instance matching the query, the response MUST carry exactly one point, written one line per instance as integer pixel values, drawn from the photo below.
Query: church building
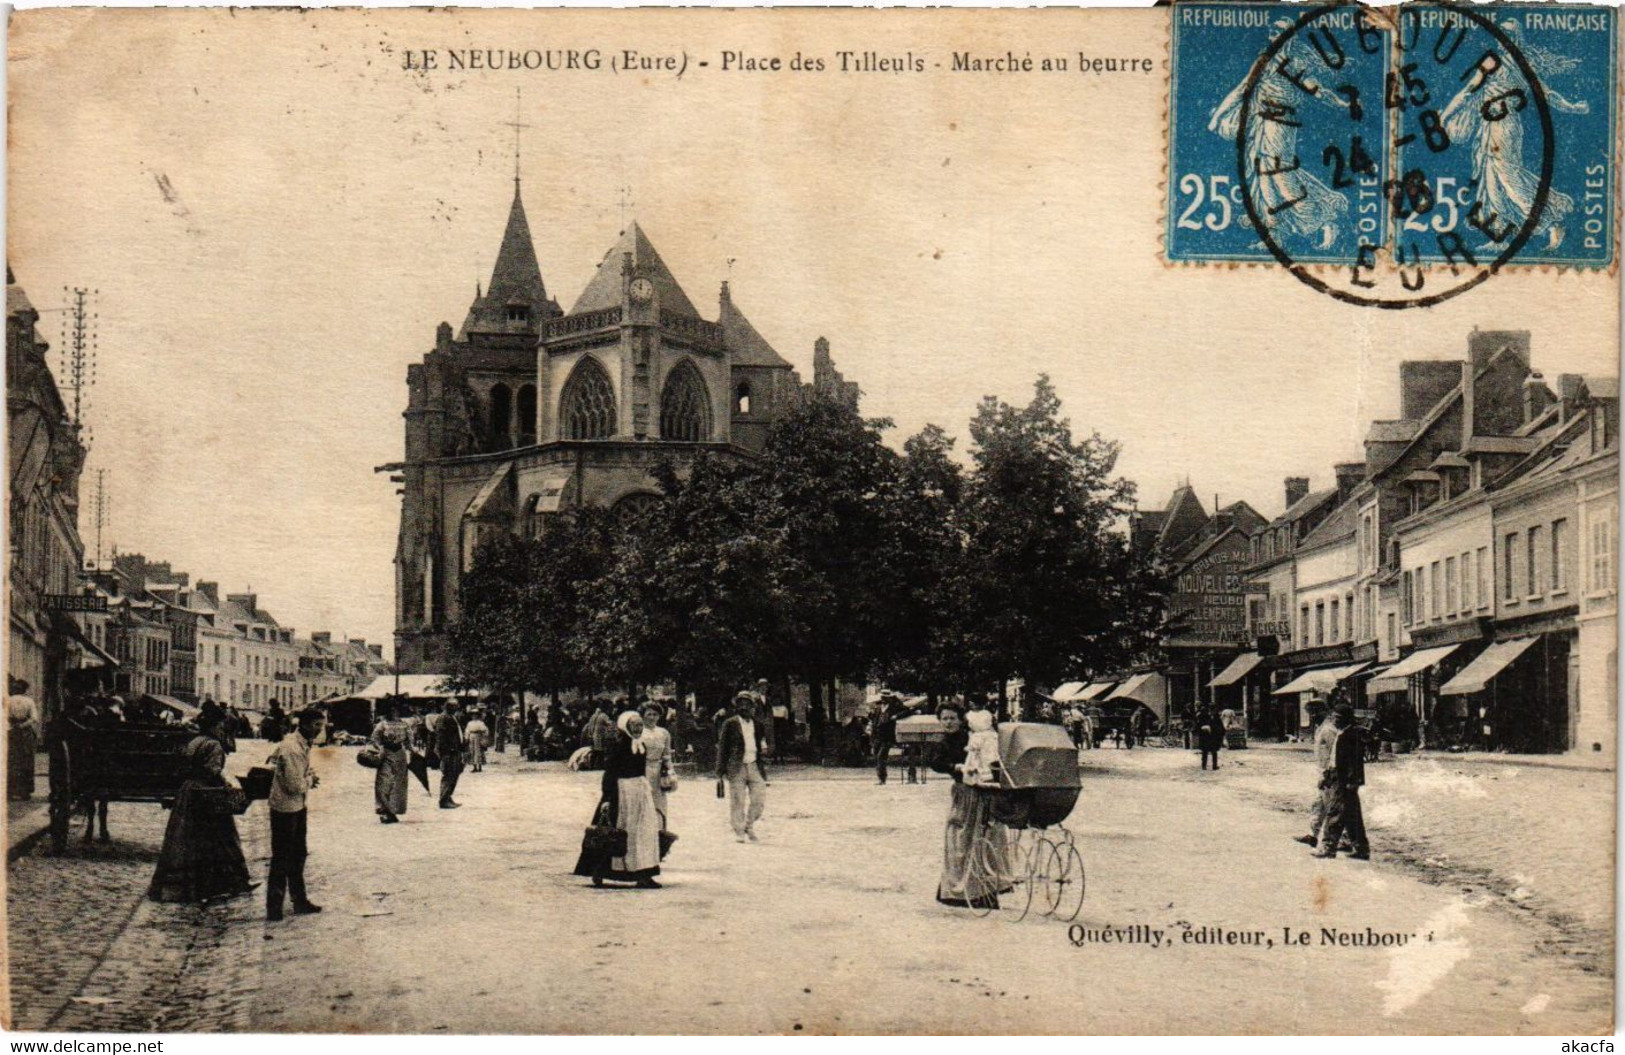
(528, 409)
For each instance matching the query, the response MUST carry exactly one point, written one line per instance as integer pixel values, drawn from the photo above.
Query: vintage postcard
(1090, 521)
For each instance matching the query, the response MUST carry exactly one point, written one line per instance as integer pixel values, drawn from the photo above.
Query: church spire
(515, 299)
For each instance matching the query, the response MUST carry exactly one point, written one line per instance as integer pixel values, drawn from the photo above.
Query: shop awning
(1239, 668)
(1475, 676)
(1096, 690)
(416, 686)
(1072, 690)
(187, 711)
(1321, 681)
(97, 655)
(1394, 680)
(1148, 689)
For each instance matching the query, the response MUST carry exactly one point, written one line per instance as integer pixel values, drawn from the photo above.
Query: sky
(277, 215)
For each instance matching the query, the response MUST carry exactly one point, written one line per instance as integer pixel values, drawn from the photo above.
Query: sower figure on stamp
(448, 744)
(1342, 782)
(740, 746)
(291, 780)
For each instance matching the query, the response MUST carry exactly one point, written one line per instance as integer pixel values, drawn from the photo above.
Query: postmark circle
(1460, 266)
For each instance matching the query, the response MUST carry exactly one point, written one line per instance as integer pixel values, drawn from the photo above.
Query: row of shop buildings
(1457, 586)
(131, 626)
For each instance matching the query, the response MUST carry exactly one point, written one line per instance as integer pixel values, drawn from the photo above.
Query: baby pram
(1036, 791)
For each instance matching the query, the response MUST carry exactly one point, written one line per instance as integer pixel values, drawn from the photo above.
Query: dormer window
(519, 314)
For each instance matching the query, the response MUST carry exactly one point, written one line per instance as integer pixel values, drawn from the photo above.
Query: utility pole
(104, 509)
(79, 354)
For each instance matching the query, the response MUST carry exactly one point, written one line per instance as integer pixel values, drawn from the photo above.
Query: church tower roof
(604, 291)
(746, 346)
(516, 282)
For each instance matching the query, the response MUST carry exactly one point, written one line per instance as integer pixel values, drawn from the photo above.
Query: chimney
(211, 590)
(376, 650)
(1569, 389)
(1297, 488)
(321, 637)
(1422, 383)
(1482, 344)
(249, 602)
(1349, 475)
(1536, 397)
(359, 641)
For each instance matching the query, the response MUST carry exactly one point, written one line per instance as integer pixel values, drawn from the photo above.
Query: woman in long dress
(970, 820)
(630, 807)
(202, 857)
(391, 736)
(656, 756)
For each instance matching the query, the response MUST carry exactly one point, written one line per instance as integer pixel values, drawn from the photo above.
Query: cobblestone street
(834, 912)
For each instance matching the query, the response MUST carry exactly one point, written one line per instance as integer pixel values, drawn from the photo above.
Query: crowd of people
(637, 746)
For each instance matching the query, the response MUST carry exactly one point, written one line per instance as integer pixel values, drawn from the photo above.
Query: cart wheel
(1073, 885)
(981, 874)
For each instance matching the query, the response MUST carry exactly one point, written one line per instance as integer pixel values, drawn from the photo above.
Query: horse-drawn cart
(95, 761)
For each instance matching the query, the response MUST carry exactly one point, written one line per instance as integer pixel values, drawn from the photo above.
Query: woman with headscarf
(202, 857)
(970, 821)
(656, 756)
(391, 736)
(628, 804)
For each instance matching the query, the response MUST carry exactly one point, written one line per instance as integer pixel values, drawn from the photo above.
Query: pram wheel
(1072, 885)
(1017, 901)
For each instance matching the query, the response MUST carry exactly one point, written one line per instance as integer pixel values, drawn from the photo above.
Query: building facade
(528, 409)
(46, 458)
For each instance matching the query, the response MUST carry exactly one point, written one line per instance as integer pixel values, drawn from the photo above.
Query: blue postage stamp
(1317, 170)
(1481, 135)
(1393, 142)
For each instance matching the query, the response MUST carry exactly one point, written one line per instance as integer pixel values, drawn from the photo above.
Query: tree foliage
(833, 555)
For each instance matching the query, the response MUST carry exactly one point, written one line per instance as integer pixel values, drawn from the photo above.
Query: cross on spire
(518, 127)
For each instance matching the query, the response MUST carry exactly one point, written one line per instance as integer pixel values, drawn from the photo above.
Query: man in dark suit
(741, 746)
(448, 744)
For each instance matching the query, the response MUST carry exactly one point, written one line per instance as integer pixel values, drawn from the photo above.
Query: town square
(600, 547)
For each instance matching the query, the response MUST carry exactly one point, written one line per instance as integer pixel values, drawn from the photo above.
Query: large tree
(1052, 584)
(527, 606)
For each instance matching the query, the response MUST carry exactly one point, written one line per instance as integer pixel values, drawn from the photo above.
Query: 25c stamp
(1392, 157)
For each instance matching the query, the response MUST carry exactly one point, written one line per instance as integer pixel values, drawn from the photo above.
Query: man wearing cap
(448, 744)
(291, 780)
(739, 762)
(1341, 782)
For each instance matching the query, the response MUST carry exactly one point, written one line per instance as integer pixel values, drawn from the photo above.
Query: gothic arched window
(742, 399)
(501, 418)
(634, 507)
(587, 408)
(685, 406)
(526, 412)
